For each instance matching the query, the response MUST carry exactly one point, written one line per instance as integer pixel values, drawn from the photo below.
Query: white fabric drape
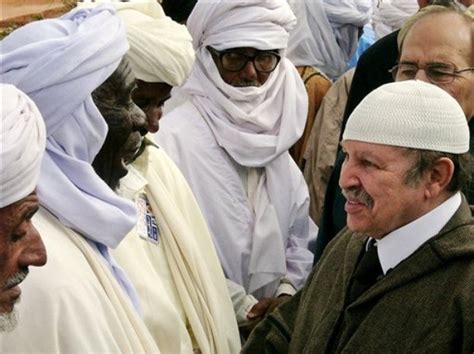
(312, 41)
(391, 14)
(73, 304)
(58, 63)
(254, 125)
(346, 16)
(22, 143)
(199, 280)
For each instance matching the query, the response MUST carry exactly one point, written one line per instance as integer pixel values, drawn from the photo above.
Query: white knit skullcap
(411, 114)
(22, 144)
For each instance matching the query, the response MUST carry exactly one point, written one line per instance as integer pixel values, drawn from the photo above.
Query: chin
(8, 321)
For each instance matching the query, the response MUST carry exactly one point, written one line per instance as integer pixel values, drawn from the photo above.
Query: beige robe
(316, 84)
(73, 304)
(179, 279)
(321, 148)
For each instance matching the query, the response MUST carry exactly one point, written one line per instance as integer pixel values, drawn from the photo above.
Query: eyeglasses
(264, 62)
(437, 73)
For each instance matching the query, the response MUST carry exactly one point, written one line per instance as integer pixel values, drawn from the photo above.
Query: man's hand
(266, 305)
(259, 310)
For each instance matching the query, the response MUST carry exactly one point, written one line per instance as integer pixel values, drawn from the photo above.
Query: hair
(436, 7)
(108, 97)
(178, 10)
(426, 159)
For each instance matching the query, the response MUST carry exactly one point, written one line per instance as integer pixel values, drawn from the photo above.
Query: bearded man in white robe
(81, 301)
(22, 143)
(169, 254)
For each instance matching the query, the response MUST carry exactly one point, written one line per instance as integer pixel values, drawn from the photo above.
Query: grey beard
(8, 321)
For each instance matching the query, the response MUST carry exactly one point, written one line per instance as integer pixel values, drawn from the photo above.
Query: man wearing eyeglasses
(246, 106)
(438, 40)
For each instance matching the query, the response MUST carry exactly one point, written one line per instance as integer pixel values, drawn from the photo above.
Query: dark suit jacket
(424, 305)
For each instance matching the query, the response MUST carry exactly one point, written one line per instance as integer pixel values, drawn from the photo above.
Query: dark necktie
(367, 272)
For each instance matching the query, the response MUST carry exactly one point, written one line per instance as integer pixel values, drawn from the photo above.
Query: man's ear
(439, 177)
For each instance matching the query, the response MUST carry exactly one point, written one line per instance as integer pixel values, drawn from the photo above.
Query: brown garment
(321, 148)
(317, 84)
(423, 305)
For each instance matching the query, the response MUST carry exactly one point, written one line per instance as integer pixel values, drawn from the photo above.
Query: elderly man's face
(373, 180)
(150, 97)
(248, 75)
(447, 39)
(126, 124)
(20, 247)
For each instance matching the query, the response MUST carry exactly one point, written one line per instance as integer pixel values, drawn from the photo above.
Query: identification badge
(147, 227)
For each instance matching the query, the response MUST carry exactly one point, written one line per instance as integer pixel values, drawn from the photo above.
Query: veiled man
(246, 105)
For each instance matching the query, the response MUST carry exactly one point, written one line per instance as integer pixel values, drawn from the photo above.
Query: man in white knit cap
(399, 279)
(246, 105)
(22, 143)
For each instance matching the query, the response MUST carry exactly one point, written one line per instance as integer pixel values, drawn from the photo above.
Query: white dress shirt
(398, 245)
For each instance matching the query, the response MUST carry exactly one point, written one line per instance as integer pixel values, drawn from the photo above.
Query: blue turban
(58, 63)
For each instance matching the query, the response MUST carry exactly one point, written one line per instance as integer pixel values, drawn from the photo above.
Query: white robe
(179, 279)
(215, 181)
(73, 304)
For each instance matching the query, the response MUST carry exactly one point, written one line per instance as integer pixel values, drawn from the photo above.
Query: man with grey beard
(246, 106)
(22, 144)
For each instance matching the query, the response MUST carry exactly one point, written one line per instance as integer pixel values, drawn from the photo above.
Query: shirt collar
(398, 245)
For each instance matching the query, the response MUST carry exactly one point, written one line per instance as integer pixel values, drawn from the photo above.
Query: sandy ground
(22, 11)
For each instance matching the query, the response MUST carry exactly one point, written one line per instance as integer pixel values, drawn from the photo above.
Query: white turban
(160, 48)
(411, 114)
(22, 143)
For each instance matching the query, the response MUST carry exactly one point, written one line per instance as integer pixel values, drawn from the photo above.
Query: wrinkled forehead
(446, 35)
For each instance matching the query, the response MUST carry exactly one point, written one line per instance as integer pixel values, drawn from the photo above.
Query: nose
(139, 120)
(34, 252)
(249, 71)
(153, 115)
(421, 75)
(348, 177)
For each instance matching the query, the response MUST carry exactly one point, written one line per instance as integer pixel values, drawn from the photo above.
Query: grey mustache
(16, 279)
(358, 194)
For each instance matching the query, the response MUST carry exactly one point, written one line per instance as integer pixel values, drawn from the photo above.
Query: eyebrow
(29, 210)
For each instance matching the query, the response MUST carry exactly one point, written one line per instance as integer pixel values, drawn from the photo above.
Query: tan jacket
(321, 147)
(316, 84)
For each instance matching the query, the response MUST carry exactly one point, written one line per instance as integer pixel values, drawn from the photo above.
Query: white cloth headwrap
(345, 17)
(254, 125)
(160, 49)
(58, 63)
(312, 42)
(22, 143)
(391, 14)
